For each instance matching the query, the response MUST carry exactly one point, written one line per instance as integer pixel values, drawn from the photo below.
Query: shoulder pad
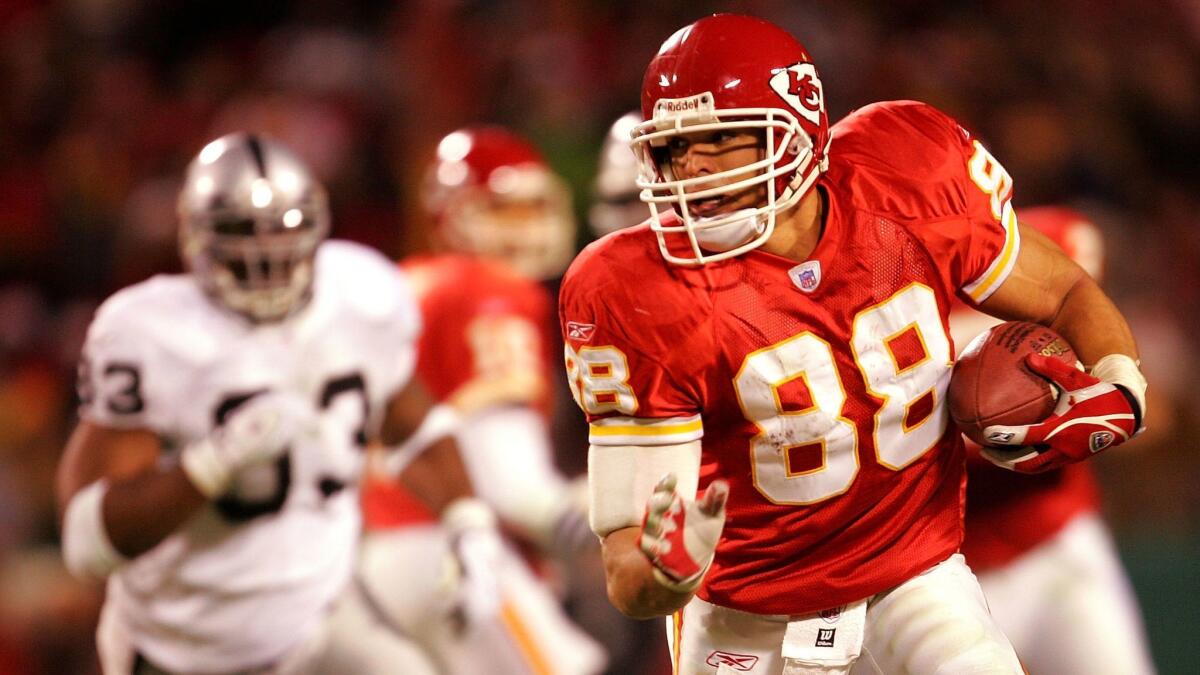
(157, 314)
(365, 281)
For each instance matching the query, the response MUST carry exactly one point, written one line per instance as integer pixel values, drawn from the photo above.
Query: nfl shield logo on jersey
(806, 275)
(831, 615)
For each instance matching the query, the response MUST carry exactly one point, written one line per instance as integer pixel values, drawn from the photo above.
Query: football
(991, 384)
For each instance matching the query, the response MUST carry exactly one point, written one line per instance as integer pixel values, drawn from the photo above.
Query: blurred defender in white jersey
(213, 475)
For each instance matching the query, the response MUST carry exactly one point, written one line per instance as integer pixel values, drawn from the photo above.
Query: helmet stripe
(256, 151)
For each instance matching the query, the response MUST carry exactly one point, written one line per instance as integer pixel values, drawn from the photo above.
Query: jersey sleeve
(125, 380)
(632, 360)
(977, 241)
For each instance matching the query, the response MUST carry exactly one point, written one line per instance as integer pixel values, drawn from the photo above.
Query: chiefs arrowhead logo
(801, 88)
(580, 332)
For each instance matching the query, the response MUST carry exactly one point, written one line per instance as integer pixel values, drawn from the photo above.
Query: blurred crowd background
(102, 102)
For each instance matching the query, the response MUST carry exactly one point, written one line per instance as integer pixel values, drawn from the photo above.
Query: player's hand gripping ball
(1017, 390)
(993, 385)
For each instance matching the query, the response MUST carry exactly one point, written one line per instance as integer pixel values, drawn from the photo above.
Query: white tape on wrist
(87, 550)
(622, 477)
(1123, 370)
(204, 468)
(441, 421)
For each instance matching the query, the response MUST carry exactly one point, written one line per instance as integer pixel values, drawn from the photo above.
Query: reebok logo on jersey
(825, 637)
(739, 662)
(806, 276)
(581, 332)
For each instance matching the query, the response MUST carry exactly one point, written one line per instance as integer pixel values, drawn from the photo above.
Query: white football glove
(257, 432)
(680, 537)
(476, 546)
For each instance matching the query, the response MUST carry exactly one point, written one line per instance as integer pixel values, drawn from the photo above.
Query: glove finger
(656, 508)
(666, 483)
(713, 501)
(660, 502)
(1059, 372)
(649, 546)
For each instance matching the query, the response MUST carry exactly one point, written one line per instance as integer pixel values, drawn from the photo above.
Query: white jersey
(253, 574)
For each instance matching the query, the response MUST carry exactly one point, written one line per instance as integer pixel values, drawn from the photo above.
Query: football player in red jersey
(781, 320)
(504, 222)
(1037, 543)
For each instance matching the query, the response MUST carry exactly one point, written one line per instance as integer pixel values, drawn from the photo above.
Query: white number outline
(583, 381)
(761, 443)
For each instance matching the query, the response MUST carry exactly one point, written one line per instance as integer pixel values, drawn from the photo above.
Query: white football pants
(936, 623)
(408, 575)
(1067, 606)
(351, 640)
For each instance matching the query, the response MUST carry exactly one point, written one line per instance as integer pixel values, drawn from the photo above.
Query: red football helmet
(1074, 233)
(493, 195)
(731, 72)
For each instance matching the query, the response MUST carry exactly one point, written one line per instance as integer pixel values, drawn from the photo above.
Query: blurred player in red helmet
(493, 196)
(1044, 557)
(503, 221)
(764, 362)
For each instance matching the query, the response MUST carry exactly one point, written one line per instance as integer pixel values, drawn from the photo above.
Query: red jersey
(817, 387)
(1010, 513)
(484, 342)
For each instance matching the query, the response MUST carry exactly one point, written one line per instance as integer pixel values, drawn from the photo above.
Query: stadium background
(102, 102)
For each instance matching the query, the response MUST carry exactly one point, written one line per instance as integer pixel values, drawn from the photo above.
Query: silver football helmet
(615, 191)
(251, 216)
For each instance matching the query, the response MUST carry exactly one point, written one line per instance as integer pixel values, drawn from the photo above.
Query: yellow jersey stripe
(1002, 265)
(631, 430)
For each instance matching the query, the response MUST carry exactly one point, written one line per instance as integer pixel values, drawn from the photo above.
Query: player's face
(712, 152)
(533, 234)
(515, 213)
